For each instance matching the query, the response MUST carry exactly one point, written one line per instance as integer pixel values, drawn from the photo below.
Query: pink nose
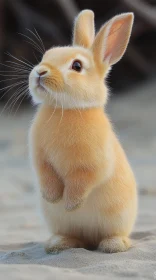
(43, 73)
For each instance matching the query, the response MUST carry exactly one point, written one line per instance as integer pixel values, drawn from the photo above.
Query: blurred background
(132, 106)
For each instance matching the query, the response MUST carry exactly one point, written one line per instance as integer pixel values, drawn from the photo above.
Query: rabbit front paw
(52, 195)
(72, 201)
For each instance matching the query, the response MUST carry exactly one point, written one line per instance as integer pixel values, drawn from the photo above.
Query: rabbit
(87, 188)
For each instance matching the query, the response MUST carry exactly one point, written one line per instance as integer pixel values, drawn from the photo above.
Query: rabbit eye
(77, 66)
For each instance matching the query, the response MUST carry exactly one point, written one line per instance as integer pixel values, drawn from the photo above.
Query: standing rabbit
(88, 190)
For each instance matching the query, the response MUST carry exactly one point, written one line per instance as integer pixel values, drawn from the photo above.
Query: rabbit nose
(43, 73)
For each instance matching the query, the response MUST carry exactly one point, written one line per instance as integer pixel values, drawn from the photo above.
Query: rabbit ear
(112, 39)
(84, 30)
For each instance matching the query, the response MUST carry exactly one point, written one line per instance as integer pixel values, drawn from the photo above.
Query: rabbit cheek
(71, 78)
(55, 82)
(75, 83)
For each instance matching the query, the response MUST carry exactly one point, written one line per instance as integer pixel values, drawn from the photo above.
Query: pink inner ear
(115, 38)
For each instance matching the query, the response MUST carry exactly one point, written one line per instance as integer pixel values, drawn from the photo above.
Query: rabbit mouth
(40, 85)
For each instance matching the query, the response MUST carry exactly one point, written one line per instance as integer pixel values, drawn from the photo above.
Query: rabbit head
(74, 76)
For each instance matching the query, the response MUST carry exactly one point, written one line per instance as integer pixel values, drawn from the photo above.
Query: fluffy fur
(88, 191)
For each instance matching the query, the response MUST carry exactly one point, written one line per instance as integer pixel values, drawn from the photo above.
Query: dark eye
(77, 66)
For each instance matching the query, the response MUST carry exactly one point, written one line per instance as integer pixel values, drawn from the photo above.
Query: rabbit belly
(90, 223)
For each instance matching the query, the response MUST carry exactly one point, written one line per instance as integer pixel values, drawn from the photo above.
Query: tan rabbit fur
(88, 191)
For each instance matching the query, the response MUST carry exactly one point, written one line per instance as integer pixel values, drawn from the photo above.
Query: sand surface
(21, 230)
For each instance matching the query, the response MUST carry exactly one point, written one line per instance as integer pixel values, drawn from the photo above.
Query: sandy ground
(21, 230)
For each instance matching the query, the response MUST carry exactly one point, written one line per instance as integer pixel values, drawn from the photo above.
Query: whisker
(31, 64)
(9, 79)
(23, 95)
(13, 102)
(38, 38)
(15, 68)
(19, 65)
(77, 109)
(53, 111)
(12, 85)
(12, 71)
(35, 47)
(32, 42)
(13, 75)
(61, 114)
(17, 59)
(13, 95)
(35, 43)
(36, 57)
